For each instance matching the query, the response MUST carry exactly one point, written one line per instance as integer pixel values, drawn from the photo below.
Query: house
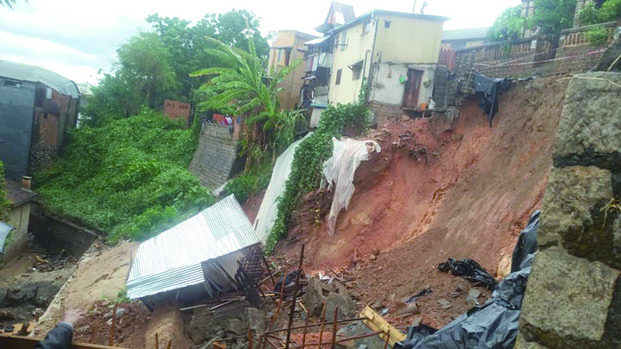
(288, 48)
(463, 38)
(392, 54)
(199, 257)
(14, 232)
(37, 107)
(338, 15)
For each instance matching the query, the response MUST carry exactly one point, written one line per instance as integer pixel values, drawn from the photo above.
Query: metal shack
(209, 254)
(37, 107)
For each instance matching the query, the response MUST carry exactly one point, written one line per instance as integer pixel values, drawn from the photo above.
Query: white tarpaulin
(339, 170)
(269, 206)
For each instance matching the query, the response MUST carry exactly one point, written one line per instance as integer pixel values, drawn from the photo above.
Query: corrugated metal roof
(24, 72)
(464, 34)
(172, 259)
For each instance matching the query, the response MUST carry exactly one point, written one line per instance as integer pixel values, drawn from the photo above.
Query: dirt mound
(441, 190)
(130, 324)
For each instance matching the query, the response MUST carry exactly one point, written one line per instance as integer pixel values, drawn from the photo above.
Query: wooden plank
(377, 323)
(17, 342)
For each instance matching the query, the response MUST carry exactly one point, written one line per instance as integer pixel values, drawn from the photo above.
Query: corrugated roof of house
(172, 259)
(464, 34)
(17, 194)
(25, 72)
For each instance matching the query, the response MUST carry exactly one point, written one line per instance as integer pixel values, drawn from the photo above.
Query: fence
(536, 56)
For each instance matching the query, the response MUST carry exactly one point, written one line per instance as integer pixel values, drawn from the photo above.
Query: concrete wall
(19, 218)
(573, 298)
(56, 235)
(387, 86)
(215, 156)
(16, 112)
(407, 40)
(354, 47)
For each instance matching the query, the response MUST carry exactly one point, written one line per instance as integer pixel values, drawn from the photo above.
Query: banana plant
(241, 82)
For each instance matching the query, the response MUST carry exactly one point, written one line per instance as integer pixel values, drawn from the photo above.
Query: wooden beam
(377, 323)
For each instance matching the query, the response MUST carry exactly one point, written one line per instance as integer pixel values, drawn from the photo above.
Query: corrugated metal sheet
(24, 72)
(172, 260)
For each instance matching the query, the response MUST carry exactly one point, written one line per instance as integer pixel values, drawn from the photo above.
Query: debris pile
(128, 320)
(47, 263)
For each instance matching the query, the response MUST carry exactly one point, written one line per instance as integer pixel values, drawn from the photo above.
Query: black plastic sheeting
(493, 325)
(488, 89)
(469, 270)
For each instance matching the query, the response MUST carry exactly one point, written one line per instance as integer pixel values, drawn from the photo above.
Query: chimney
(26, 181)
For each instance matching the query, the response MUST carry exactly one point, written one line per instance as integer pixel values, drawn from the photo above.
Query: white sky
(76, 38)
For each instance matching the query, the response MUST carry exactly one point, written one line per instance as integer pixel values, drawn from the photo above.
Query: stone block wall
(386, 113)
(215, 155)
(573, 298)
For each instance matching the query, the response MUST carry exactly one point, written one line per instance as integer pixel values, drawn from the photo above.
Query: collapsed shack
(209, 255)
(495, 324)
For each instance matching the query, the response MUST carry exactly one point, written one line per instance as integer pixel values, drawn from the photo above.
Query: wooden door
(412, 88)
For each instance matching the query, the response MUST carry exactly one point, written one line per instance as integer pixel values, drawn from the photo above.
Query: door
(412, 89)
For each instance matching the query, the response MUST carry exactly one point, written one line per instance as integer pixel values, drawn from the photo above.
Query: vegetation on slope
(128, 177)
(311, 154)
(4, 201)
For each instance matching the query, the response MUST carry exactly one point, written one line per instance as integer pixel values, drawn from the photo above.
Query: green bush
(249, 183)
(128, 178)
(608, 12)
(309, 157)
(4, 201)
(597, 35)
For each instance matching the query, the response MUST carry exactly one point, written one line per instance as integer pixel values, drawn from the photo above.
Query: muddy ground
(25, 291)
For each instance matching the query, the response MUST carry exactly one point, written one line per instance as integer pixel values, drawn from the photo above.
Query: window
(287, 56)
(12, 83)
(279, 56)
(338, 77)
(365, 28)
(386, 24)
(356, 70)
(343, 41)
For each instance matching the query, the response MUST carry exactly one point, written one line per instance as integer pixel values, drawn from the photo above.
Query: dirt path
(100, 274)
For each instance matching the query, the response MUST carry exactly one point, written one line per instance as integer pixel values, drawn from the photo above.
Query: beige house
(14, 232)
(288, 48)
(395, 53)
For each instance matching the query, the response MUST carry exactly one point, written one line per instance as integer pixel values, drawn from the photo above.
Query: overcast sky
(76, 38)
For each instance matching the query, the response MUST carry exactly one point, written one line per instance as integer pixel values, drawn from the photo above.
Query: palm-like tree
(241, 82)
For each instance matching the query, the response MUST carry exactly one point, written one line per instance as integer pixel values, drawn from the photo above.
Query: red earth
(438, 189)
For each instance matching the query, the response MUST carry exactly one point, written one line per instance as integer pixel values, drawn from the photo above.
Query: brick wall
(215, 156)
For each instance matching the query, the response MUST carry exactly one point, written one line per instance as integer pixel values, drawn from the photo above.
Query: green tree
(187, 43)
(595, 13)
(552, 16)
(508, 26)
(7, 3)
(241, 81)
(143, 77)
(4, 201)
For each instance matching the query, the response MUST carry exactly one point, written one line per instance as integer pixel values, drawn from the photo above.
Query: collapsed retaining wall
(573, 299)
(214, 160)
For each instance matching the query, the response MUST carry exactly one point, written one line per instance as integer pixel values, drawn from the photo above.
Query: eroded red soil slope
(439, 190)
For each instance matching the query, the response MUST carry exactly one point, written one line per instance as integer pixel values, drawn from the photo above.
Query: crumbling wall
(573, 299)
(215, 156)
